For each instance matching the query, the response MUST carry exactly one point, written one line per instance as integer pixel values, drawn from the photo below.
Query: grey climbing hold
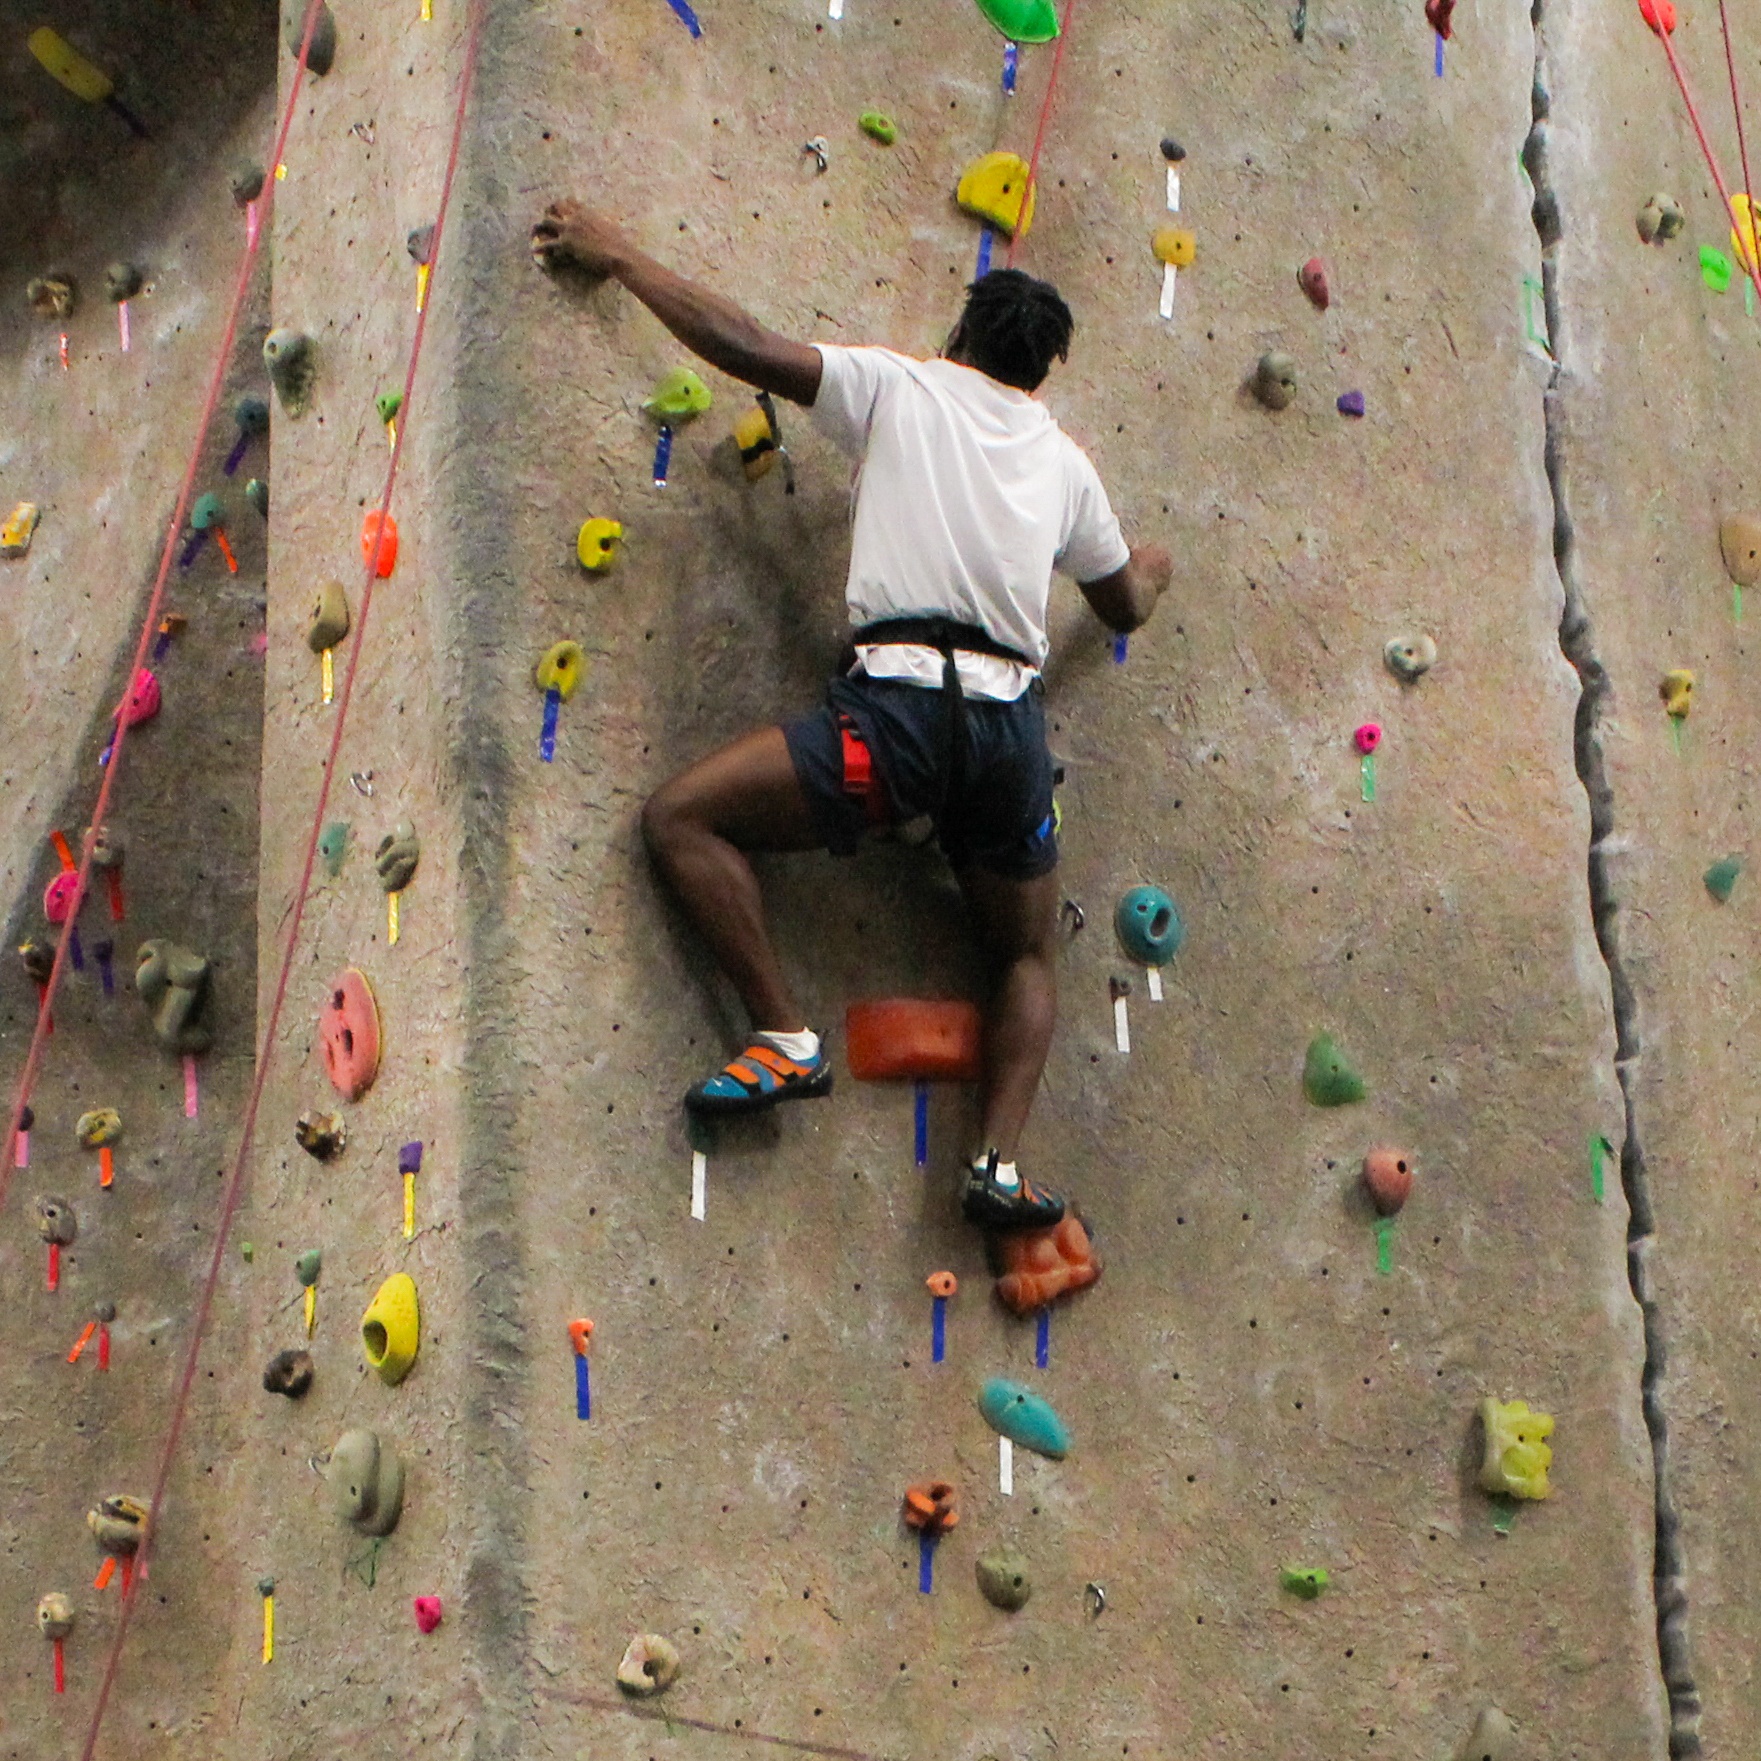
(289, 1373)
(366, 1482)
(308, 1265)
(257, 494)
(288, 356)
(247, 182)
(650, 1665)
(173, 983)
(105, 1312)
(1409, 658)
(122, 281)
(1274, 381)
(321, 54)
(1660, 218)
(420, 243)
(1493, 1738)
(321, 1135)
(396, 858)
(1004, 1579)
(56, 1222)
(55, 1616)
(52, 296)
(1739, 537)
(330, 617)
(252, 416)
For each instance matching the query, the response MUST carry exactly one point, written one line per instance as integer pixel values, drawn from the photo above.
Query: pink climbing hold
(142, 702)
(427, 1612)
(1368, 737)
(1312, 279)
(58, 896)
(1659, 15)
(1440, 16)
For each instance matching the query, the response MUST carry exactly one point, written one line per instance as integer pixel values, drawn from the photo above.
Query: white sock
(803, 1047)
(1005, 1174)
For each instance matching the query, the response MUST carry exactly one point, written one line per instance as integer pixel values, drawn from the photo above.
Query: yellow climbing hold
(561, 669)
(64, 64)
(758, 446)
(993, 188)
(391, 1328)
(1174, 244)
(1677, 692)
(1742, 234)
(1517, 1457)
(596, 545)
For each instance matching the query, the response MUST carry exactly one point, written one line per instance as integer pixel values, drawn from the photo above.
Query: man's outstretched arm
(1124, 599)
(711, 327)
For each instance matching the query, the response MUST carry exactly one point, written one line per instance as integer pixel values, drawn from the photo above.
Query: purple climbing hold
(1351, 403)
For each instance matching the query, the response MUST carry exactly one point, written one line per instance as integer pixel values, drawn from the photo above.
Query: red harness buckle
(860, 782)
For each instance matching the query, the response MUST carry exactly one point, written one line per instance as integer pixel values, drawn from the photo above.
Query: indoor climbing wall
(1439, 1101)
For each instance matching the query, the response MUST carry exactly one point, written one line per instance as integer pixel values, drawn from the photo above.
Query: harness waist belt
(942, 634)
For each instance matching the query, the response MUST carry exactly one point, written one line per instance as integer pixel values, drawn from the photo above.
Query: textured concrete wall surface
(1511, 940)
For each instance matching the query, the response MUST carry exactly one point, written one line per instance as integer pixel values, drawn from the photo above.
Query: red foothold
(579, 1333)
(58, 897)
(384, 560)
(142, 702)
(1659, 15)
(427, 1612)
(1312, 279)
(1440, 16)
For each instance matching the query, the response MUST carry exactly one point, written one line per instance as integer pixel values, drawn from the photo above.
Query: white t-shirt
(968, 496)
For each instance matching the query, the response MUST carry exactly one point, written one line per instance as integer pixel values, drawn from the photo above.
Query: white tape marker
(1169, 272)
(1121, 1025)
(1006, 1467)
(1173, 190)
(1155, 983)
(699, 1183)
(836, 8)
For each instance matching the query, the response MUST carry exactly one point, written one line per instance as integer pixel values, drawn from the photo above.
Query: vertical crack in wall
(1577, 642)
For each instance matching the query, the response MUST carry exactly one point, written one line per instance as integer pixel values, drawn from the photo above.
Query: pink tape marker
(122, 322)
(189, 1085)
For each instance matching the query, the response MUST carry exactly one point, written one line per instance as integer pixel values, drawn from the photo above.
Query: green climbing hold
(680, 393)
(1306, 1581)
(388, 403)
(1716, 268)
(333, 845)
(1023, 1417)
(1327, 1079)
(249, 1250)
(879, 126)
(306, 1266)
(207, 512)
(257, 494)
(1022, 21)
(1721, 877)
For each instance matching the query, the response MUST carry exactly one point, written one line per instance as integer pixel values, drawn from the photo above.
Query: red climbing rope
(1039, 133)
(235, 1178)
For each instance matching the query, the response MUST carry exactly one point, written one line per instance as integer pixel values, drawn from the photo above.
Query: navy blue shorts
(1000, 819)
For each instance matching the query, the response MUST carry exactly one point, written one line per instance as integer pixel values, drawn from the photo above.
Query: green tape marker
(1384, 1245)
(1369, 776)
(1503, 1514)
(1600, 1150)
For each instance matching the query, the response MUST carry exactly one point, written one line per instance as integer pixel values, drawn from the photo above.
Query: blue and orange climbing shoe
(761, 1077)
(992, 1204)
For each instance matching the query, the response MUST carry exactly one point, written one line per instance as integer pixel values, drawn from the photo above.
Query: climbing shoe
(759, 1078)
(992, 1205)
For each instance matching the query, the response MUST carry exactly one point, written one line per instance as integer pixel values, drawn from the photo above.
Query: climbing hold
(391, 1329)
(252, 416)
(396, 858)
(37, 959)
(330, 617)
(561, 669)
(1367, 737)
(1312, 279)
(1721, 878)
(52, 296)
(992, 187)
(1493, 1738)
(1677, 692)
(366, 1482)
(1274, 380)
(1388, 1179)
(1742, 232)
(388, 403)
(257, 494)
(596, 544)
(1003, 1578)
(56, 1222)
(142, 702)
(1659, 15)
(122, 281)
(1041, 1265)
(321, 51)
(106, 847)
(1440, 16)
(333, 843)
(650, 1665)
(1306, 1581)
(427, 1610)
(932, 1507)
(1517, 1456)
(173, 982)
(419, 242)
(1022, 21)
(1172, 150)
(942, 1284)
(323, 1136)
(1148, 926)
(207, 513)
(902, 1037)
(348, 1031)
(756, 442)
(878, 126)
(55, 1616)
(1327, 1079)
(679, 394)
(1409, 658)
(19, 529)
(1174, 244)
(289, 1373)
(58, 896)
(101, 1126)
(1661, 218)
(1739, 537)
(1716, 268)
(1350, 403)
(288, 356)
(246, 183)
(372, 544)
(308, 1265)
(118, 1524)
(1023, 1417)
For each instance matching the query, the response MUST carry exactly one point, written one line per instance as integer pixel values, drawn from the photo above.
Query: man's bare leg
(699, 828)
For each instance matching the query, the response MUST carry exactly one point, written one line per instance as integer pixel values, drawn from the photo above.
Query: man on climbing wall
(969, 495)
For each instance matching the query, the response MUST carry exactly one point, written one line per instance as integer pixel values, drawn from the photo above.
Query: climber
(969, 494)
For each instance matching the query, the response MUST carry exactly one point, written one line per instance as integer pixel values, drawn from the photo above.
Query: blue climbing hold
(1024, 1417)
(1149, 926)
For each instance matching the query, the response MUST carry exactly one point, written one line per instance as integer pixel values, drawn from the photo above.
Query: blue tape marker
(1011, 60)
(1439, 56)
(926, 1562)
(690, 17)
(938, 1330)
(197, 540)
(583, 1391)
(553, 702)
(75, 952)
(1042, 1346)
(663, 456)
(237, 453)
(104, 756)
(920, 1107)
(984, 254)
(162, 646)
(102, 952)
(1121, 646)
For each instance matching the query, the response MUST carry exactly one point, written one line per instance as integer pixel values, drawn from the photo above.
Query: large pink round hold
(142, 702)
(58, 896)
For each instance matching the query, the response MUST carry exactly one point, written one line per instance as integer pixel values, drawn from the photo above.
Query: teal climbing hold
(306, 1266)
(1023, 1417)
(207, 512)
(1721, 877)
(1716, 268)
(1327, 1077)
(1149, 926)
(1022, 21)
(1306, 1581)
(333, 845)
(679, 393)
